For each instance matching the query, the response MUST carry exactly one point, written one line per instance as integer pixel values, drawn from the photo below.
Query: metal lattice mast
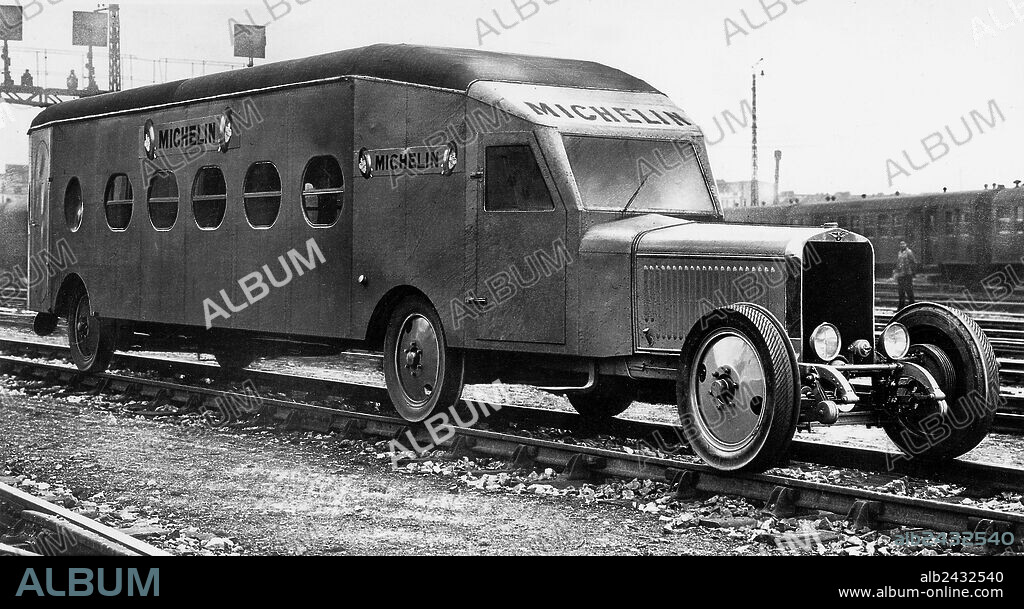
(115, 47)
(755, 195)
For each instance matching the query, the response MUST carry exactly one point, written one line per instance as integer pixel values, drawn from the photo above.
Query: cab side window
(514, 181)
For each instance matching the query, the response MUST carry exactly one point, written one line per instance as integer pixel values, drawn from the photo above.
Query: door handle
(477, 175)
(480, 302)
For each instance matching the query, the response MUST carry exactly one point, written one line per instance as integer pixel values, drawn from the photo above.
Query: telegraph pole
(755, 190)
(778, 174)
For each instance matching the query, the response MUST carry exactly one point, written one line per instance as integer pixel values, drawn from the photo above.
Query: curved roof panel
(453, 69)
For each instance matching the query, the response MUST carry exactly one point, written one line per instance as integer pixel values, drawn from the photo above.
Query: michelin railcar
(478, 216)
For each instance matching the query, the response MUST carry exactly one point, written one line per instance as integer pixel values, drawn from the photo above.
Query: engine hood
(661, 235)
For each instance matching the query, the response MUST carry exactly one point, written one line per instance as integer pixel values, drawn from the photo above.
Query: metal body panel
(673, 293)
(522, 261)
(409, 229)
(39, 228)
(141, 274)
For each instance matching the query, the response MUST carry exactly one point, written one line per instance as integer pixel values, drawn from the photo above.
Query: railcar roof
(895, 203)
(445, 68)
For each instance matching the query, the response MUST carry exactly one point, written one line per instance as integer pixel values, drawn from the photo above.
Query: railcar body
(964, 234)
(476, 216)
(1007, 228)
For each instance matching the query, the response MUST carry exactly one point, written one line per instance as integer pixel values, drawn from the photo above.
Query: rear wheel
(952, 347)
(236, 359)
(90, 338)
(737, 390)
(422, 373)
(610, 397)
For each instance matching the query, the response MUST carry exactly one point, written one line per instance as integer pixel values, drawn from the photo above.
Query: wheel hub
(414, 359)
(417, 359)
(725, 388)
(729, 402)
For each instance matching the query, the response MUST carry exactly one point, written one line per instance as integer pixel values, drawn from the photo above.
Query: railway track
(780, 494)
(30, 526)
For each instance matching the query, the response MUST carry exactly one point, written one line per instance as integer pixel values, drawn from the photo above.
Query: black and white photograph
(287, 282)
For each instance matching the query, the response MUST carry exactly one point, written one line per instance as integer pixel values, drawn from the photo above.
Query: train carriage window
(323, 187)
(118, 201)
(514, 181)
(209, 198)
(162, 198)
(74, 205)
(262, 193)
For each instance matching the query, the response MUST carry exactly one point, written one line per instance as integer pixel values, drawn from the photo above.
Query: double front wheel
(737, 391)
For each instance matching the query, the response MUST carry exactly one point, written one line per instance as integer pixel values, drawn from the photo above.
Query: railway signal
(89, 29)
(11, 28)
(250, 41)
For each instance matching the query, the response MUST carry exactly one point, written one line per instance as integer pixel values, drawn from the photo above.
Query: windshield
(638, 175)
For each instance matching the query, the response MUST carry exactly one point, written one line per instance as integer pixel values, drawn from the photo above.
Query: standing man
(26, 79)
(906, 264)
(72, 81)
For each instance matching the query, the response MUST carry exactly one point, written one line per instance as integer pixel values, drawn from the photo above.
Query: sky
(864, 96)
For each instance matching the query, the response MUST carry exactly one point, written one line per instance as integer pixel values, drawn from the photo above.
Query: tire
(749, 423)
(610, 397)
(952, 347)
(422, 373)
(235, 359)
(92, 340)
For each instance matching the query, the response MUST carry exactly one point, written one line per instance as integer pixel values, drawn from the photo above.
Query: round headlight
(365, 164)
(450, 162)
(827, 342)
(896, 341)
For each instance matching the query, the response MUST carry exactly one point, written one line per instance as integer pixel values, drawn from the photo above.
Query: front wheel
(951, 346)
(422, 373)
(737, 389)
(90, 338)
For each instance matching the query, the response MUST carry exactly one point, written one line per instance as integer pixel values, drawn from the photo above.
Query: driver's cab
(546, 164)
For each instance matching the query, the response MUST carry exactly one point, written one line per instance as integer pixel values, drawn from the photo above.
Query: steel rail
(781, 494)
(65, 533)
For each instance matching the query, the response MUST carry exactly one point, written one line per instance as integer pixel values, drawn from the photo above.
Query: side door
(39, 222)
(521, 248)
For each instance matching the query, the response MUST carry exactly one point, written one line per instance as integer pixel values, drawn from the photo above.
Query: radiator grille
(672, 295)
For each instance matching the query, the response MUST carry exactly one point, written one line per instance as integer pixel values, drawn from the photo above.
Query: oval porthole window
(162, 197)
(323, 188)
(262, 195)
(74, 205)
(118, 201)
(209, 198)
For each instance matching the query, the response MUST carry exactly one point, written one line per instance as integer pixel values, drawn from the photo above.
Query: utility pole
(755, 190)
(778, 175)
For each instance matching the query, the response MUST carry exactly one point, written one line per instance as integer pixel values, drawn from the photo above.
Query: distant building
(14, 180)
(737, 194)
(789, 197)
